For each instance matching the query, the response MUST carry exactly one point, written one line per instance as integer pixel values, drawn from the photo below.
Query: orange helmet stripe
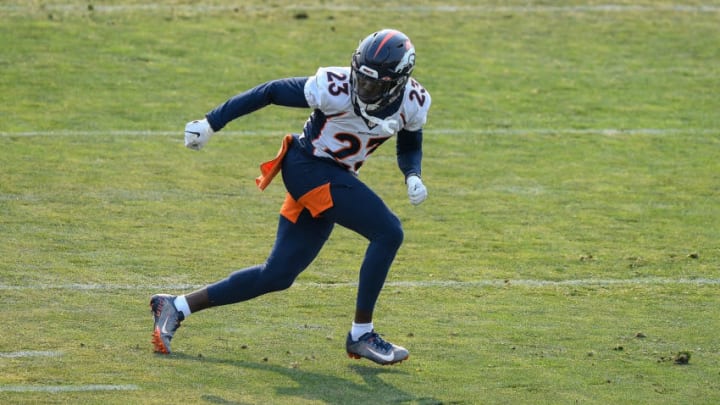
(382, 43)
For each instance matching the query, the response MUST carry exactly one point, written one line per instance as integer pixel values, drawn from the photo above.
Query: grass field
(568, 252)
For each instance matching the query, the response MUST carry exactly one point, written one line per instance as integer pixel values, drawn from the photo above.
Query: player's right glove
(197, 134)
(416, 189)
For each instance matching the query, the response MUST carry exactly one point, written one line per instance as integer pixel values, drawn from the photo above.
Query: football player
(355, 109)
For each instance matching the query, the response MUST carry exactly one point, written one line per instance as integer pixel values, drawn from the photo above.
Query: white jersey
(337, 132)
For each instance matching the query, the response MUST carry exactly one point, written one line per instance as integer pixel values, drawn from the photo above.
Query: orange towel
(270, 169)
(317, 201)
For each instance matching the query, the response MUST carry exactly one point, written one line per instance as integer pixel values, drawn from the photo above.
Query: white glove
(197, 134)
(416, 189)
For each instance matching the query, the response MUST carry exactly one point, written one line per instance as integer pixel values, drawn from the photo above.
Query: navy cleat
(372, 347)
(167, 321)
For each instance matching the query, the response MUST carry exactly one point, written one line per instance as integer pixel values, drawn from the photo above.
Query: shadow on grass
(329, 389)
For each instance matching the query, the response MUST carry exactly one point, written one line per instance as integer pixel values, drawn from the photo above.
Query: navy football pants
(355, 206)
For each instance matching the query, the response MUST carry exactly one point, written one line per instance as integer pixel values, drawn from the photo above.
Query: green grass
(567, 253)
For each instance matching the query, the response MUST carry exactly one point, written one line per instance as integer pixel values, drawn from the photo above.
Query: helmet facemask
(375, 93)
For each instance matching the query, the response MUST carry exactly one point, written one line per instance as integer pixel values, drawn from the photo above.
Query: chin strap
(388, 126)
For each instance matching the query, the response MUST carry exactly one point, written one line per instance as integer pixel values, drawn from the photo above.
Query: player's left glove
(197, 134)
(416, 189)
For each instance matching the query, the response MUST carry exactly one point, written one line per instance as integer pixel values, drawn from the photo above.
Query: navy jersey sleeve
(409, 151)
(285, 92)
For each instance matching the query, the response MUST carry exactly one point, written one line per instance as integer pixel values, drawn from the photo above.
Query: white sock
(359, 329)
(181, 305)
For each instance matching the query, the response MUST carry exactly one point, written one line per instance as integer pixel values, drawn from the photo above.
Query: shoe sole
(157, 342)
(358, 357)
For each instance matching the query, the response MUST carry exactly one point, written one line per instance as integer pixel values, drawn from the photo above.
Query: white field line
(445, 8)
(29, 353)
(650, 281)
(68, 388)
(429, 131)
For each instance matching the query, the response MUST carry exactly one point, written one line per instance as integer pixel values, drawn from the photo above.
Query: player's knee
(279, 284)
(394, 234)
(278, 275)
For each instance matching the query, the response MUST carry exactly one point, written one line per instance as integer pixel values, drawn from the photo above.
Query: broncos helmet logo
(407, 63)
